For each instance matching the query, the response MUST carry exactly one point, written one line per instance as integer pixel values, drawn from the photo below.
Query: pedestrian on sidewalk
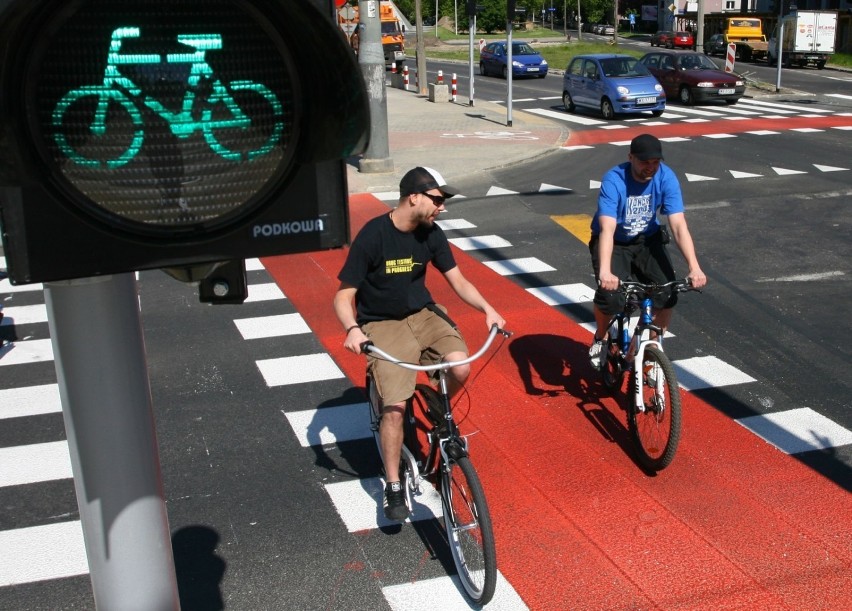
(628, 242)
(383, 298)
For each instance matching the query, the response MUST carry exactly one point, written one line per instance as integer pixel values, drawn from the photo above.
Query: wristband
(352, 327)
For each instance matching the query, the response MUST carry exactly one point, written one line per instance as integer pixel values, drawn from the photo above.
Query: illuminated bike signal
(119, 89)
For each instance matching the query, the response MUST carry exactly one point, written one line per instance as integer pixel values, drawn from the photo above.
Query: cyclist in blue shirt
(628, 240)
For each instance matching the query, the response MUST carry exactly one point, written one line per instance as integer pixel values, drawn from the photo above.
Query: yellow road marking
(578, 225)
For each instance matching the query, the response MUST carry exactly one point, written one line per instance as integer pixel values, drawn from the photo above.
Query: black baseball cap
(420, 180)
(645, 147)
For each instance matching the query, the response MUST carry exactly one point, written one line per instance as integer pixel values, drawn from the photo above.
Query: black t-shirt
(388, 268)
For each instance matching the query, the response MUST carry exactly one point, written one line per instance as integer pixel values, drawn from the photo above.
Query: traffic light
(143, 134)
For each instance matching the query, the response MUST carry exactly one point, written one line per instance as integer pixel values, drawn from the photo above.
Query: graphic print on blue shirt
(638, 214)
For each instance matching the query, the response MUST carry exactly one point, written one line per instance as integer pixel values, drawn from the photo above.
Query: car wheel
(505, 72)
(567, 102)
(482, 70)
(686, 96)
(820, 65)
(732, 102)
(657, 113)
(542, 75)
(607, 110)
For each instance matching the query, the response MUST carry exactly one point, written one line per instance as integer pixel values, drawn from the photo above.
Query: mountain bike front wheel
(656, 430)
(469, 531)
(98, 127)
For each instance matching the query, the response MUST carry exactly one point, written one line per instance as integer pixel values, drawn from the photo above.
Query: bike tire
(268, 143)
(656, 431)
(80, 152)
(469, 531)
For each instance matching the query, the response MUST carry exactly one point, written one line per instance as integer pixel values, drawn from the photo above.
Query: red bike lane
(733, 523)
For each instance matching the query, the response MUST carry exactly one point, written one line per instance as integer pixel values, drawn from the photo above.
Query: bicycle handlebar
(682, 286)
(371, 348)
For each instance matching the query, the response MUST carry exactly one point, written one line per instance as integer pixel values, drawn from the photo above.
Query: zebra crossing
(54, 549)
(790, 431)
(746, 108)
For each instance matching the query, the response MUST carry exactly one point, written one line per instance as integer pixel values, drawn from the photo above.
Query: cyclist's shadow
(555, 365)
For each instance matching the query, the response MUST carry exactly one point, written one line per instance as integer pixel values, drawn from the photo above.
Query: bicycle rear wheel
(469, 531)
(656, 431)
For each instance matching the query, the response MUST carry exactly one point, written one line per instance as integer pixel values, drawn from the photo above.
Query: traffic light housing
(144, 134)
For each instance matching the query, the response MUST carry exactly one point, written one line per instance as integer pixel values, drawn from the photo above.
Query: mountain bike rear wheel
(469, 532)
(655, 431)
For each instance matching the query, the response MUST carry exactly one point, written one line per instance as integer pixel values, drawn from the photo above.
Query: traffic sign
(170, 133)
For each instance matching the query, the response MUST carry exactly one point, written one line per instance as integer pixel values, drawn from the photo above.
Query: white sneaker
(597, 354)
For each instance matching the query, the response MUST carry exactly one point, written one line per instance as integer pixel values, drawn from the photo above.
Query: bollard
(416, 80)
(455, 84)
(393, 69)
(405, 77)
(440, 77)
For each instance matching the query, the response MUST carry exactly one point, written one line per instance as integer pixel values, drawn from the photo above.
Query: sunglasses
(438, 200)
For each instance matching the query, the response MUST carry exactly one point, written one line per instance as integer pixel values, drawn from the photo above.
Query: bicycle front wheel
(655, 431)
(469, 531)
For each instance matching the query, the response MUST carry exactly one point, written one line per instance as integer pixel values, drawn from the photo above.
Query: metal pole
(96, 332)
(509, 71)
(420, 49)
(579, 23)
(371, 59)
(471, 26)
(699, 28)
(779, 51)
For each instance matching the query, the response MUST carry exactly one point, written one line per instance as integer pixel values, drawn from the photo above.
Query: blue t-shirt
(634, 205)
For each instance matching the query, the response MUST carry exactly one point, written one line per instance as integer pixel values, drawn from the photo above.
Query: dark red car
(663, 38)
(693, 77)
(683, 40)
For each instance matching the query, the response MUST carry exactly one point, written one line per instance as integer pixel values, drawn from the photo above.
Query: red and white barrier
(730, 57)
(455, 84)
(440, 77)
(393, 69)
(405, 77)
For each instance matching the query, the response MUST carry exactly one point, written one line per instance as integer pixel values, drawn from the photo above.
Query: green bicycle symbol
(120, 89)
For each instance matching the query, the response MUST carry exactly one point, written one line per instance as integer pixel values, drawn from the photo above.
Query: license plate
(532, 69)
(647, 100)
(727, 91)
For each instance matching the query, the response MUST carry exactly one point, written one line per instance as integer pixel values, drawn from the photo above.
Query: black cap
(420, 180)
(645, 147)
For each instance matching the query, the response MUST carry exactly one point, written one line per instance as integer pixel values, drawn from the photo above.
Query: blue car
(614, 84)
(525, 60)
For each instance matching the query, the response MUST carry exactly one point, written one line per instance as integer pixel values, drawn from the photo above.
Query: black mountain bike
(433, 449)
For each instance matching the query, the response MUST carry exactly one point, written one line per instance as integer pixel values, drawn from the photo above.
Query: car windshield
(696, 62)
(523, 48)
(623, 66)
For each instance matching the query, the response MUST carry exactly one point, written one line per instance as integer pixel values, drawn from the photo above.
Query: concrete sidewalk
(454, 138)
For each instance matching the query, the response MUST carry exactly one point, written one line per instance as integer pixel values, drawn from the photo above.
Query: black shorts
(644, 259)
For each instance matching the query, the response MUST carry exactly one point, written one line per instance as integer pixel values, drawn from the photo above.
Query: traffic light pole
(99, 352)
(371, 59)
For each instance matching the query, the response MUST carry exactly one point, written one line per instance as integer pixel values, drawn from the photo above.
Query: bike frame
(451, 444)
(632, 345)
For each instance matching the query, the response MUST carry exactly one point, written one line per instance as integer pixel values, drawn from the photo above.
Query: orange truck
(393, 38)
(747, 34)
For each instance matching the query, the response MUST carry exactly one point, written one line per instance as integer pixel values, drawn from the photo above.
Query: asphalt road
(248, 499)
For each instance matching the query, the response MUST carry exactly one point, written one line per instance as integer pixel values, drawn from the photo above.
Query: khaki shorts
(423, 337)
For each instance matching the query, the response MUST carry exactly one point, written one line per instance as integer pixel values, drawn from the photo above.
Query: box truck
(809, 38)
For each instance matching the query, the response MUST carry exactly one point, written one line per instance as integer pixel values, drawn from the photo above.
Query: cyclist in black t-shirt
(383, 298)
